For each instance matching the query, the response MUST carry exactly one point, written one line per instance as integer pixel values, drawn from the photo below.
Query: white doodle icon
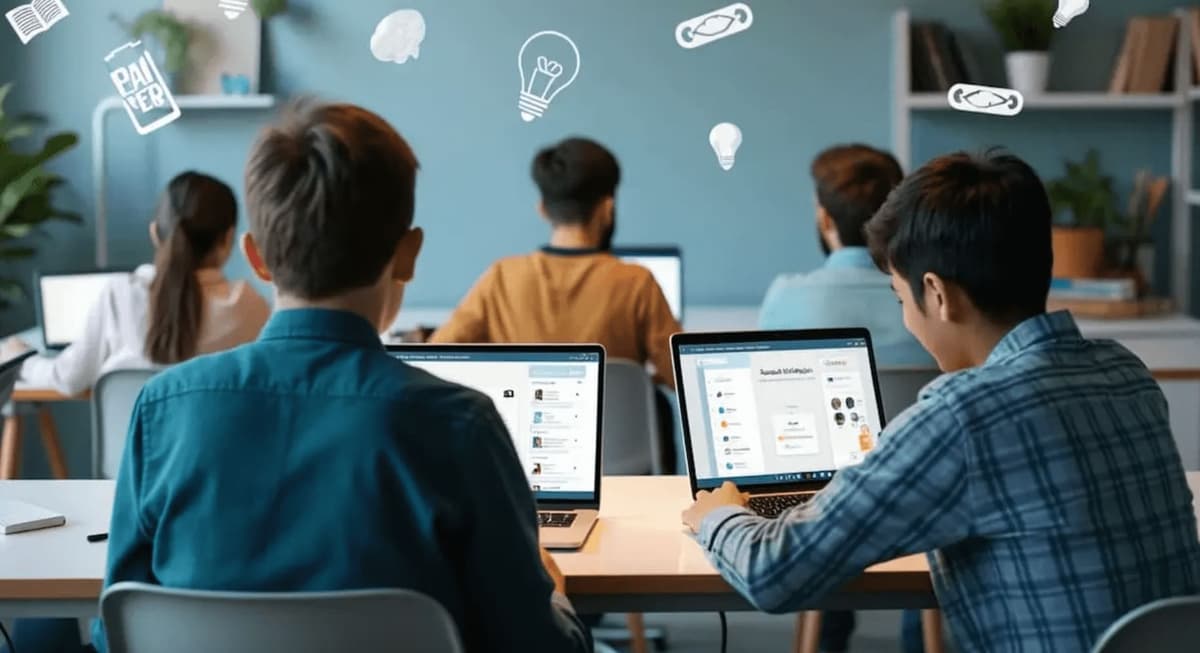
(986, 99)
(399, 36)
(36, 17)
(549, 62)
(144, 91)
(725, 139)
(232, 8)
(1067, 10)
(714, 26)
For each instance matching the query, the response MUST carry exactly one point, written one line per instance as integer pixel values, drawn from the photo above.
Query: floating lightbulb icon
(233, 8)
(725, 139)
(1068, 9)
(549, 63)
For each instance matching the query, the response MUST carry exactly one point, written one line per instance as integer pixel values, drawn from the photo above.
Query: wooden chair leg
(808, 632)
(931, 631)
(10, 447)
(636, 623)
(51, 443)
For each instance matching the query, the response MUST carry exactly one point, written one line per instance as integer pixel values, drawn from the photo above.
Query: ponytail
(193, 217)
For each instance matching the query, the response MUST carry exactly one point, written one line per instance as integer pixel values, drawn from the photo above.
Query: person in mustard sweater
(573, 289)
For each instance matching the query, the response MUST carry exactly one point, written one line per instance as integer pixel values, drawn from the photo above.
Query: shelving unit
(187, 103)
(1180, 104)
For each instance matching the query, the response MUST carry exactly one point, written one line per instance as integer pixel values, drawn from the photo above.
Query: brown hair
(194, 215)
(330, 193)
(852, 182)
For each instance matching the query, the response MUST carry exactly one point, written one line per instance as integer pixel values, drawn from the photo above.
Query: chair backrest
(900, 386)
(112, 405)
(140, 618)
(1164, 626)
(631, 445)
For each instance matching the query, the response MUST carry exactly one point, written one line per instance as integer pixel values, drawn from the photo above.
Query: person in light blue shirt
(852, 182)
(311, 460)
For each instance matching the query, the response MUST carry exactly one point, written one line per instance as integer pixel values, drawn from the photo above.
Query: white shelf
(1081, 101)
(1194, 93)
(223, 102)
(1193, 198)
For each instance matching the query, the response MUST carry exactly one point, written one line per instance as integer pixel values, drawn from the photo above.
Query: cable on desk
(724, 632)
(7, 640)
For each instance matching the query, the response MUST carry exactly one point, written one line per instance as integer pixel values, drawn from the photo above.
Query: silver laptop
(665, 262)
(551, 399)
(776, 412)
(64, 301)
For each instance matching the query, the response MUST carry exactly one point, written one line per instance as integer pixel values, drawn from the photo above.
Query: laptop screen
(549, 398)
(666, 264)
(64, 301)
(764, 412)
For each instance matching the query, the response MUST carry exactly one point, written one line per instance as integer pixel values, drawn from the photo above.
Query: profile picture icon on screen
(537, 442)
(537, 394)
(836, 403)
(509, 394)
(839, 419)
(849, 402)
(537, 469)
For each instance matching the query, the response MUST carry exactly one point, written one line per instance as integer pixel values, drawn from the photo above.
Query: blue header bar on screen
(498, 356)
(771, 345)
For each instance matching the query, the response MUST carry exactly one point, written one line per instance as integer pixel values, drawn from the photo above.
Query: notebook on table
(19, 517)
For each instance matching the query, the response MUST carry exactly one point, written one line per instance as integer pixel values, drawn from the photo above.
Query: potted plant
(269, 8)
(26, 192)
(1026, 28)
(1085, 207)
(172, 36)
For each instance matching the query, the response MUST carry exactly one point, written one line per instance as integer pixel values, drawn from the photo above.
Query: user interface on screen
(778, 411)
(548, 400)
(66, 300)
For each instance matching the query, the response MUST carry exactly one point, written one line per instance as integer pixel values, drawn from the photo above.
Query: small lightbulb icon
(1068, 9)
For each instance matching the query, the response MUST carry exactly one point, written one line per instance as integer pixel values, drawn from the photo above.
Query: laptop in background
(64, 300)
(666, 264)
(10, 371)
(551, 399)
(776, 412)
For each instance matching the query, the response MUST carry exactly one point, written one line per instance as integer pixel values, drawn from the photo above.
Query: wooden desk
(638, 559)
(10, 440)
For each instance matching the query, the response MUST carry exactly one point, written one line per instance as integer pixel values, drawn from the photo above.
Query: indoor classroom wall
(807, 74)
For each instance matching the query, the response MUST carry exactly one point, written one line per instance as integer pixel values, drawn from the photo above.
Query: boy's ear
(824, 220)
(946, 298)
(404, 263)
(254, 258)
(154, 239)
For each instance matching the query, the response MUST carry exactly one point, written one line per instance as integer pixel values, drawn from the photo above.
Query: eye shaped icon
(985, 99)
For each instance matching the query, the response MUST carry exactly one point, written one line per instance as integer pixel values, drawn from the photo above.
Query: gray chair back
(1164, 626)
(112, 405)
(630, 438)
(900, 386)
(141, 618)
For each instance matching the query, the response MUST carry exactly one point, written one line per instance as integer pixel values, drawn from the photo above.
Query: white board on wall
(220, 46)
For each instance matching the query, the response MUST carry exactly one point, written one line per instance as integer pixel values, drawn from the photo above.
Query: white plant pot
(1028, 72)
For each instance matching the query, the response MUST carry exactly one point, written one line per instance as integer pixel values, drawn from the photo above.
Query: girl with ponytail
(162, 314)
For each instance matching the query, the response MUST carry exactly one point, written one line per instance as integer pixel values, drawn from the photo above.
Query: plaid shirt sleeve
(909, 495)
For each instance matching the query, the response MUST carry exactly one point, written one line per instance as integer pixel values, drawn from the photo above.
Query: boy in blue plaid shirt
(1039, 473)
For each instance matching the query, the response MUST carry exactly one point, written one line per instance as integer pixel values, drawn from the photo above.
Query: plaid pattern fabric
(1044, 484)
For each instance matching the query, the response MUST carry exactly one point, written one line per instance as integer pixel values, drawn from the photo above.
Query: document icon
(36, 17)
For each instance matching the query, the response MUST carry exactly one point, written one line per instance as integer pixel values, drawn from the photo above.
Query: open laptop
(10, 371)
(776, 412)
(551, 399)
(64, 300)
(666, 264)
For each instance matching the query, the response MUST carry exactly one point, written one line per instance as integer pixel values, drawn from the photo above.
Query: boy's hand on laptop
(552, 569)
(13, 347)
(706, 502)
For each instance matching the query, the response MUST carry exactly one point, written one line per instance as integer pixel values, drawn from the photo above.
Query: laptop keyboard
(773, 505)
(556, 519)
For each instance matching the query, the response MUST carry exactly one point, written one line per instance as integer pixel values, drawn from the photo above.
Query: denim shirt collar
(321, 324)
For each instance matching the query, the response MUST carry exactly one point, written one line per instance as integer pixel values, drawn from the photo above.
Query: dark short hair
(329, 193)
(982, 222)
(852, 183)
(574, 176)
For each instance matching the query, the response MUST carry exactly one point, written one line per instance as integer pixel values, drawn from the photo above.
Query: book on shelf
(1193, 19)
(1146, 58)
(938, 60)
(1113, 290)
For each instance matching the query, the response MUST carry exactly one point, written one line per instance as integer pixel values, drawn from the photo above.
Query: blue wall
(807, 74)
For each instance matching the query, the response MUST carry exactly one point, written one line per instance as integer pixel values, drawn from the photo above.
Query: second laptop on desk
(551, 398)
(776, 412)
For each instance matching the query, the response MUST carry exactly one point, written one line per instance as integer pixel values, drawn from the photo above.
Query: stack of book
(1148, 54)
(1104, 298)
(939, 60)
